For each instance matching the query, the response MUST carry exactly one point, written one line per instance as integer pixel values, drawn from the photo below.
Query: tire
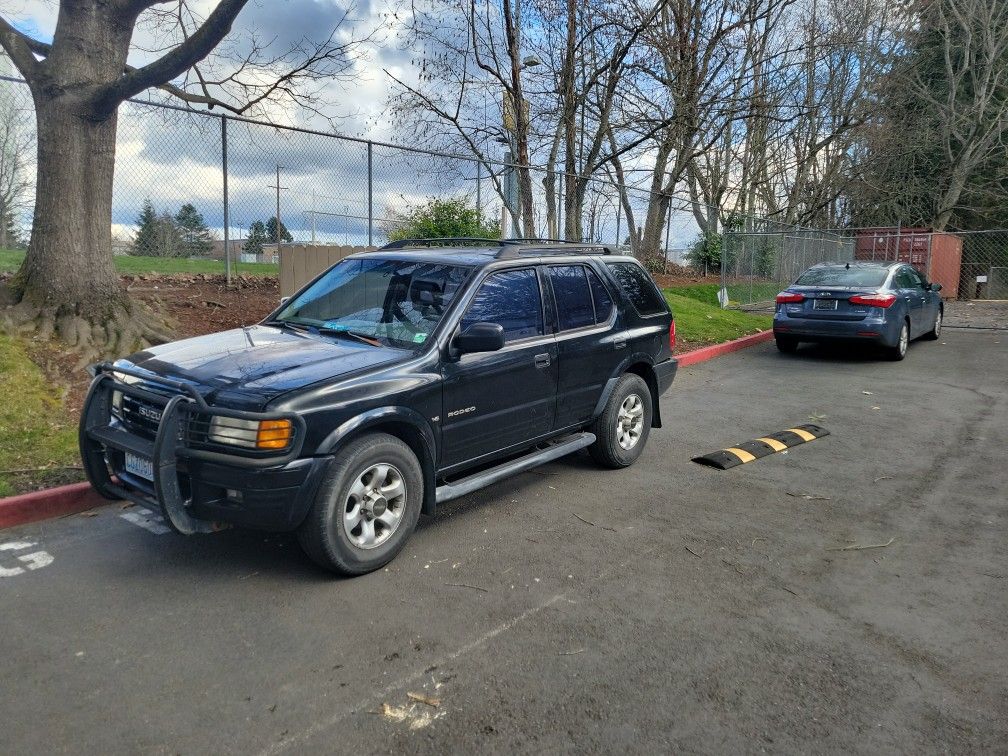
(935, 333)
(621, 431)
(899, 351)
(339, 541)
(786, 344)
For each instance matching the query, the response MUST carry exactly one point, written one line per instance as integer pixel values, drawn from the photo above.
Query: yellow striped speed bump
(761, 447)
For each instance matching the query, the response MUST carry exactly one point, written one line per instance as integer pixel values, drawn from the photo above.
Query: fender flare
(379, 415)
(649, 378)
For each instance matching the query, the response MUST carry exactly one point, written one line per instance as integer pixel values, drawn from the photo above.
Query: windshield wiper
(347, 332)
(287, 324)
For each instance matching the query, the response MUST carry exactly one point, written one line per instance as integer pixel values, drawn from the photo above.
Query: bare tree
(68, 281)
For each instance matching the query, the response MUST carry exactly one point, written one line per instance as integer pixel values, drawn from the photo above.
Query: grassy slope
(700, 323)
(758, 291)
(34, 430)
(10, 261)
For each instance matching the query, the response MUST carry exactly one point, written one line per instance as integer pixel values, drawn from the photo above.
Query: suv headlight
(117, 397)
(251, 434)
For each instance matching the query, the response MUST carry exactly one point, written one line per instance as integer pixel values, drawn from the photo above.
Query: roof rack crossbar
(508, 248)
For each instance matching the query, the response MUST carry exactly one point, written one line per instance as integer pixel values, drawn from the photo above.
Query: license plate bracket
(825, 304)
(142, 467)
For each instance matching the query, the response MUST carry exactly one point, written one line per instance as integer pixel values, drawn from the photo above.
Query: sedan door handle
(542, 360)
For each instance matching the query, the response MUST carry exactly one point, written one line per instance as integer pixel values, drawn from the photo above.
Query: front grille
(140, 416)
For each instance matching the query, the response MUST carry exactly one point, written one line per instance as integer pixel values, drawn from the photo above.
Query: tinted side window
(603, 302)
(510, 298)
(903, 279)
(639, 288)
(573, 298)
(915, 278)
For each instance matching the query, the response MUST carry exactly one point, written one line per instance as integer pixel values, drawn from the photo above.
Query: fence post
(227, 214)
(619, 208)
(370, 194)
(479, 186)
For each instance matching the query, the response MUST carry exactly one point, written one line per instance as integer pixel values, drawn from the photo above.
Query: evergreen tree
(194, 234)
(145, 241)
(271, 232)
(169, 240)
(442, 218)
(257, 236)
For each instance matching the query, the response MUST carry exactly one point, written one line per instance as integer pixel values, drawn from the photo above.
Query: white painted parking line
(33, 561)
(144, 518)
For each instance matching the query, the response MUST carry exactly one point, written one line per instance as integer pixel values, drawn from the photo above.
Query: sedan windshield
(394, 302)
(841, 275)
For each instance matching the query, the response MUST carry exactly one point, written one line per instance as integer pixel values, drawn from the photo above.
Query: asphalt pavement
(850, 594)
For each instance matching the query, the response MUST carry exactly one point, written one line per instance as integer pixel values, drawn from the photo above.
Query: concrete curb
(80, 497)
(48, 503)
(707, 353)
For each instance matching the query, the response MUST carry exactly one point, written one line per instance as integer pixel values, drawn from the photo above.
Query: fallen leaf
(435, 702)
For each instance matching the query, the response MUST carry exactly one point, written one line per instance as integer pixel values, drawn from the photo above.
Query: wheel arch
(402, 423)
(645, 370)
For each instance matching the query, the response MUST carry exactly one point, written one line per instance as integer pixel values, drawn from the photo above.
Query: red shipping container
(937, 255)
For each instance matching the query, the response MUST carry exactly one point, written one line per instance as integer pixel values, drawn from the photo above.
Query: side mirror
(480, 337)
(284, 300)
(935, 287)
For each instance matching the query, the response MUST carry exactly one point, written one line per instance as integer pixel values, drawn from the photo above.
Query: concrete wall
(300, 263)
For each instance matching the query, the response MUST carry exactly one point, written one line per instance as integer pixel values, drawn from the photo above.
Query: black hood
(261, 361)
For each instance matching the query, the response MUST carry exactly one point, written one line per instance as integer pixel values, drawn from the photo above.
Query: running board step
(561, 448)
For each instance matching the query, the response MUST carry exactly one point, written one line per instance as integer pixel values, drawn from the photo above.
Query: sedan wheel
(935, 333)
(899, 351)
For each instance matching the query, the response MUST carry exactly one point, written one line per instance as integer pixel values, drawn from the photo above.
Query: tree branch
(179, 60)
(21, 48)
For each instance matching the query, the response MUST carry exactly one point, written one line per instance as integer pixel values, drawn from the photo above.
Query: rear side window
(510, 298)
(600, 294)
(639, 288)
(573, 297)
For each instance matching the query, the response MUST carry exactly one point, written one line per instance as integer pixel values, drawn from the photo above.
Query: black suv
(396, 380)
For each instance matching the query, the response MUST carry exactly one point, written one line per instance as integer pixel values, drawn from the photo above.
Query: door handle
(542, 360)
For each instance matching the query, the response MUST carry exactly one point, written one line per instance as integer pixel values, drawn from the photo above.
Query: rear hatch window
(855, 277)
(639, 288)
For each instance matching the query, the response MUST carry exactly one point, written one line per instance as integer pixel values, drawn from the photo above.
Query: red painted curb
(51, 502)
(708, 353)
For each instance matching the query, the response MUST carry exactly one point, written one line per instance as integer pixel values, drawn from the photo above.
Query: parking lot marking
(144, 518)
(34, 561)
(763, 446)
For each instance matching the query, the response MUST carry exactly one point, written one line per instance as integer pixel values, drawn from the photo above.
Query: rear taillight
(789, 297)
(671, 335)
(873, 300)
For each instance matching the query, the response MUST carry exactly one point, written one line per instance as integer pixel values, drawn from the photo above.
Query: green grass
(760, 291)
(11, 260)
(35, 431)
(700, 323)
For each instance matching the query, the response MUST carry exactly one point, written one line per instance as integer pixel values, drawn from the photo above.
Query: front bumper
(192, 485)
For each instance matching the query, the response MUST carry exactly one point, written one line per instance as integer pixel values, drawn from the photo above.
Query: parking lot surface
(665, 607)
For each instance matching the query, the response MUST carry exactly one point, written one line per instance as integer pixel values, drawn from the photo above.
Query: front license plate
(825, 304)
(140, 466)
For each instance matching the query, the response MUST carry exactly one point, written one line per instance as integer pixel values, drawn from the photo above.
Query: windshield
(395, 302)
(843, 276)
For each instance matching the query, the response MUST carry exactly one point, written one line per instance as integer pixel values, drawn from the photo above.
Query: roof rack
(508, 248)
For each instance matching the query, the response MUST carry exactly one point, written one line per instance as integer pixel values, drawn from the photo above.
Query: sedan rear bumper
(881, 329)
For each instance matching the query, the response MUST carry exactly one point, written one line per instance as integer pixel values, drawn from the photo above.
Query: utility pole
(279, 226)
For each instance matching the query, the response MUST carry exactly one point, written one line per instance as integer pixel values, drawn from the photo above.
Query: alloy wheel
(630, 422)
(374, 506)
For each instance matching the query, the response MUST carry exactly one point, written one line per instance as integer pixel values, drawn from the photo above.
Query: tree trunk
(69, 265)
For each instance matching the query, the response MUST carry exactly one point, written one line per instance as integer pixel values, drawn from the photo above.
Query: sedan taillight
(873, 300)
(789, 297)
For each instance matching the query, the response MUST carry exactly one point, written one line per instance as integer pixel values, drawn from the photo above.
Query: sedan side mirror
(935, 287)
(480, 337)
